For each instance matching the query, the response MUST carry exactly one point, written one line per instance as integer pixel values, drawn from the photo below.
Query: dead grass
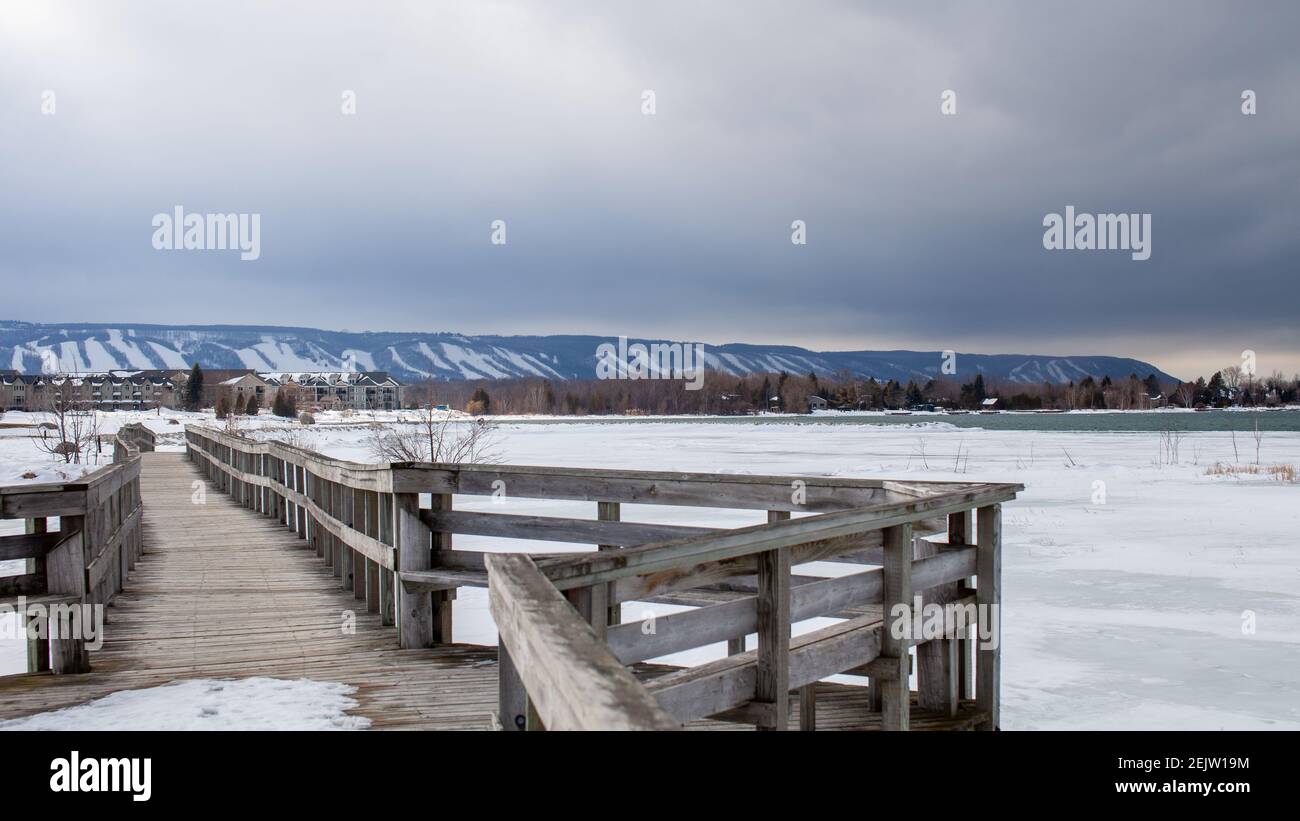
(1282, 473)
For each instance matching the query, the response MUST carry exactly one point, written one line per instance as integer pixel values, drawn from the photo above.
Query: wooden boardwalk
(222, 592)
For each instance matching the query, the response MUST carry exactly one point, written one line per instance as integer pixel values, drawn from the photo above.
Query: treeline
(722, 394)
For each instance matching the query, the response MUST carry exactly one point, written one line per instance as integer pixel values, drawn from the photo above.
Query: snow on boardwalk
(222, 592)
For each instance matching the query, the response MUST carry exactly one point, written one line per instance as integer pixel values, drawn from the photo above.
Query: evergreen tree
(914, 396)
(1152, 385)
(253, 406)
(479, 402)
(223, 407)
(194, 388)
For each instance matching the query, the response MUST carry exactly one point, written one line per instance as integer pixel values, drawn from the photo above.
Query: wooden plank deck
(223, 592)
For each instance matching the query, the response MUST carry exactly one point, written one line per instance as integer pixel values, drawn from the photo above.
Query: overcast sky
(923, 230)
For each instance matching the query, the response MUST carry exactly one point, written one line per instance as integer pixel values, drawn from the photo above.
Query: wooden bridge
(243, 558)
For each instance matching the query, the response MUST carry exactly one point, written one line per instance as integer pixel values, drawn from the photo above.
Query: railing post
(333, 548)
(808, 707)
(372, 576)
(893, 665)
(512, 698)
(38, 649)
(592, 603)
(441, 601)
(415, 609)
(357, 522)
(961, 530)
(988, 597)
(772, 677)
(299, 519)
(383, 508)
(66, 576)
(610, 512)
(387, 597)
(936, 660)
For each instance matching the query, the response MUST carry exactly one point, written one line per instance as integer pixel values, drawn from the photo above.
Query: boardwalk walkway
(223, 592)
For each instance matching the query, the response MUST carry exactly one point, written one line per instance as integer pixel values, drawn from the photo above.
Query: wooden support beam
(512, 698)
(441, 601)
(373, 573)
(895, 696)
(38, 649)
(936, 660)
(344, 564)
(772, 681)
(610, 512)
(988, 595)
(808, 707)
(66, 576)
(415, 609)
(387, 597)
(961, 530)
(592, 604)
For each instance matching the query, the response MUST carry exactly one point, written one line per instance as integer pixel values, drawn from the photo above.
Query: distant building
(214, 380)
(358, 390)
(816, 403)
(114, 390)
(238, 389)
(990, 404)
(147, 389)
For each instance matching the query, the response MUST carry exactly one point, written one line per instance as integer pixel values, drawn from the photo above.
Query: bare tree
(73, 425)
(434, 437)
(1232, 377)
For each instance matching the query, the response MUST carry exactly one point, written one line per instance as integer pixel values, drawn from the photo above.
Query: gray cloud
(924, 230)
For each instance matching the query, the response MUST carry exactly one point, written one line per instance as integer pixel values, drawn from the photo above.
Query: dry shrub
(1282, 473)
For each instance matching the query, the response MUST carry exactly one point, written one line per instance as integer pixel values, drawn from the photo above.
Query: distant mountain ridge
(46, 347)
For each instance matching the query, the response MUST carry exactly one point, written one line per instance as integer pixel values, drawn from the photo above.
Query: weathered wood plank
(607, 532)
(673, 556)
(772, 677)
(705, 625)
(27, 545)
(988, 520)
(572, 680)
(895, 699)
(415, 608)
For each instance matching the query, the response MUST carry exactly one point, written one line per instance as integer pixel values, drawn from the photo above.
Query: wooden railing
(81, 565)
(132, 440)
(566, 666)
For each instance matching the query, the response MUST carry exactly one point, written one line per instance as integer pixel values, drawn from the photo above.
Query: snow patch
(210, 704)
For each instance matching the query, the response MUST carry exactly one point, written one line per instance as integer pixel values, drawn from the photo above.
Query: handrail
(366, 521)
(588, 569)
(572, 679)
(84, 563)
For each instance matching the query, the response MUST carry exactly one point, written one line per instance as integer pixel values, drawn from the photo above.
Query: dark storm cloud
(924, 230)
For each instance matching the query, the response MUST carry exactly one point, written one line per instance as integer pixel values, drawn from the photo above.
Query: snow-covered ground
(1130, 586)
(210, 704)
